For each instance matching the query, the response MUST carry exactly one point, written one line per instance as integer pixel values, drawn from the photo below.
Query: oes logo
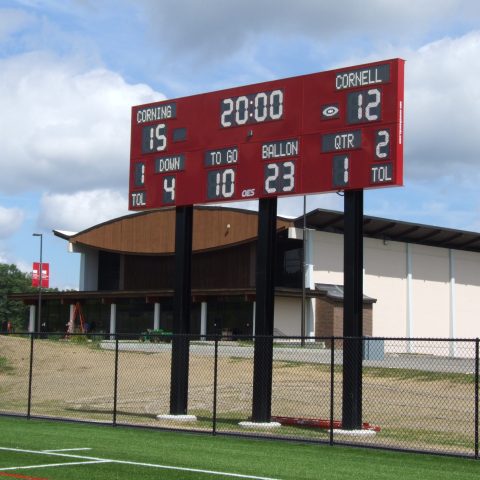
(249, 192)
(330, 111)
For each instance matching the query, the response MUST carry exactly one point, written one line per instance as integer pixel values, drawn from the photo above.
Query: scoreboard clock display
(329, 131)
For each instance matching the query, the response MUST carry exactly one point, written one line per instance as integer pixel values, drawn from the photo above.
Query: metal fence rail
(417, 394)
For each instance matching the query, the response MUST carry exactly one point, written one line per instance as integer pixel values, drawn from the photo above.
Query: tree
(12, 280)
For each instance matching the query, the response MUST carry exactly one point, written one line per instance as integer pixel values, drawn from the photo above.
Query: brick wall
(329, 318)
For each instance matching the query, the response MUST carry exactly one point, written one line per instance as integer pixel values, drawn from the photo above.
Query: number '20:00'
(254, 108)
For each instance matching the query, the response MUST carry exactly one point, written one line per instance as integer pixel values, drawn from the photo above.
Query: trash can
(373, 349)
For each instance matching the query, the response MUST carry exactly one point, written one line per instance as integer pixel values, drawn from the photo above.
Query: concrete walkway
(308, 354)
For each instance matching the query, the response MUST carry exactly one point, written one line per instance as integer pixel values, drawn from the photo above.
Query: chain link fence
(415, 394)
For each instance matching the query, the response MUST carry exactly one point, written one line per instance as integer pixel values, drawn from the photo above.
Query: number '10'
(220, 184)
(225, 183)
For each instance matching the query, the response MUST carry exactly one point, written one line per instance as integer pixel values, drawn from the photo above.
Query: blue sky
(71, 70)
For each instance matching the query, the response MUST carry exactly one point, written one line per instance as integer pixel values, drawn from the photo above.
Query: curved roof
(153, 232)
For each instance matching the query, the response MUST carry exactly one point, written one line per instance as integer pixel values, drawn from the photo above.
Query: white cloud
(80, 210)
(216, 29)
(6, 257)
(3, 257)
(12, 21)
(442, 114)
(23, 266)
(442, 101)
(63, 128)
(11, 220)
(9, 258)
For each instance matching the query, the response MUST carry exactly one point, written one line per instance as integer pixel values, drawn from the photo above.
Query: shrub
(157, 335)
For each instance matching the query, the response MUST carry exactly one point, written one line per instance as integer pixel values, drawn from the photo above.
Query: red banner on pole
(45, 274)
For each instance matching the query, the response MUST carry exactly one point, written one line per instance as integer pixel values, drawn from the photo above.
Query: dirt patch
(77, 381)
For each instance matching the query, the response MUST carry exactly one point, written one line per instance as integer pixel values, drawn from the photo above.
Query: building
(419, 280)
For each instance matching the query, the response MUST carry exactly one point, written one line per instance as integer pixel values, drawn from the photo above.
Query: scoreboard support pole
(264, 312)
(353, 310)
(181, 310)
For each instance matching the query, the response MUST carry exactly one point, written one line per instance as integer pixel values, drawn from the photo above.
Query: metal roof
(112, 296)
(395, 230)
(336, 292)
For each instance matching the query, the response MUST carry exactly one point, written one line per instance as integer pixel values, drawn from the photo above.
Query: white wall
(88, 270)
(385, 280)
(288, 315)
(431, 303)
(328, 258)
(432, 294)
(467, 281)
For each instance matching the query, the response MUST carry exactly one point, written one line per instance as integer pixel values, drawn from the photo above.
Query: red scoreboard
(329, 131)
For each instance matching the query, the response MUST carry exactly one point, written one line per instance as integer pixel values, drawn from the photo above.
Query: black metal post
(332, 386)
(304, 257)
(115, 383)
(264, 310)
(181, 310)
(353, 311)
(30, 377)
(215, 387)
(476, 395)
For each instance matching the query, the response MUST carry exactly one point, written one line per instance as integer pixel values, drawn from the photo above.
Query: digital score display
(329, 131)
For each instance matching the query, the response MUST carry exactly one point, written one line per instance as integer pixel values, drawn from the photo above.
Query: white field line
(66, 450)
(125, 462)
(46, 465)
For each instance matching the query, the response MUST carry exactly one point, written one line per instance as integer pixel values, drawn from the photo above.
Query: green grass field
(35, 449)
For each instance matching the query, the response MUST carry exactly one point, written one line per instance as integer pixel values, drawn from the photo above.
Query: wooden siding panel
(148, 272)
(229, 268)
(154, 232)
(217, 269)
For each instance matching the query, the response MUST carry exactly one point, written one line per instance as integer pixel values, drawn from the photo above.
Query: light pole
(40, 282)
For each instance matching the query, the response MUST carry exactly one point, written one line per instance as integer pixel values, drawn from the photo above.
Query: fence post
(332, 386)
(476, 396)
(215, 387)
(115, 383)
(30, 377)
